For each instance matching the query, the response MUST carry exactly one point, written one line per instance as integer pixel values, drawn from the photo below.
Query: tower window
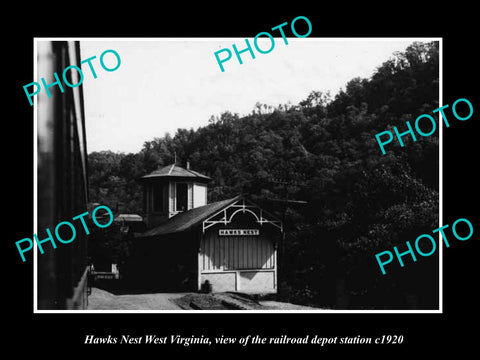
(182, 197)
(158, 198)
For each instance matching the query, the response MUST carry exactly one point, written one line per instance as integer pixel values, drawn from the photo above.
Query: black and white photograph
(259, 188)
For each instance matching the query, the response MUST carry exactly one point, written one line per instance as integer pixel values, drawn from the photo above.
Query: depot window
(158, 198)
(182, 196)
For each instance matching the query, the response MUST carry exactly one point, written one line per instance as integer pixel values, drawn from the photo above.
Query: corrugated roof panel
(129, 217)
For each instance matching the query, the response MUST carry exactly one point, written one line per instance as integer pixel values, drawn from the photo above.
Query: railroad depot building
(230, 245)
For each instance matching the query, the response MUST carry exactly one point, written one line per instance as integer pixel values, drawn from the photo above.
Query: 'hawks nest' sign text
(238, 232)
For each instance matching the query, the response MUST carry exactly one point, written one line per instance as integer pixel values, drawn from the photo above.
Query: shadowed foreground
(103, 300)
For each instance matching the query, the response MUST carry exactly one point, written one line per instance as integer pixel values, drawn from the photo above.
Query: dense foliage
(322, 151)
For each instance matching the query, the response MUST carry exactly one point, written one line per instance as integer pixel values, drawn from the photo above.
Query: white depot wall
(199, 195)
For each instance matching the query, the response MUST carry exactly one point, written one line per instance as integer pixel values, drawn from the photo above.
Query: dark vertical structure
(62, 181)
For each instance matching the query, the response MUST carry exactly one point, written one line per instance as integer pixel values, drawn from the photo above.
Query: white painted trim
(236, 270)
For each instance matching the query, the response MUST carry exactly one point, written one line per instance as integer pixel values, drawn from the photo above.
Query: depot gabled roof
(175, 171)
(188, 219)
(211, 214)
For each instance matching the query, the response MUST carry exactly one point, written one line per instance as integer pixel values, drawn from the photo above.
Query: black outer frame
(424, 333)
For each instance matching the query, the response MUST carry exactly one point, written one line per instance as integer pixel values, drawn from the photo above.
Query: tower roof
(175, 171)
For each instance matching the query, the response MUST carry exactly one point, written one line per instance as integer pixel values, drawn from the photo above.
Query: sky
(165, 84)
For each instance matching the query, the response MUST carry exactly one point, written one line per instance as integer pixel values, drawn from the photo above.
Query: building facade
(228, 245)
(170, 190)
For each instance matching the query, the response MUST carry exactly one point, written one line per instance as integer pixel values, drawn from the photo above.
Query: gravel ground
(277, 305)
(103, 300)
